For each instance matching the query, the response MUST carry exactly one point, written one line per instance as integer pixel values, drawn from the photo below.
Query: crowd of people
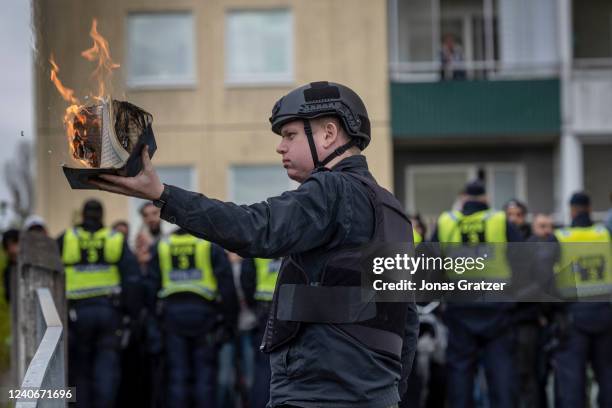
(174, 320)
(171, 320)
(505, 354)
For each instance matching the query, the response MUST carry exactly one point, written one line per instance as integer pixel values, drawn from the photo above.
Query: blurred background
(515, 93)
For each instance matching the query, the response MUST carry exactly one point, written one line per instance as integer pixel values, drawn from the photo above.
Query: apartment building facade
(209, 73)
(522, 103)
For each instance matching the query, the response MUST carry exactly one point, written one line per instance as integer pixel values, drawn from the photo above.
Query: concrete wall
(211, 126)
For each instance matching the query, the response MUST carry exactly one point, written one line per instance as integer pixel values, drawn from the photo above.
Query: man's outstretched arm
(295, 221)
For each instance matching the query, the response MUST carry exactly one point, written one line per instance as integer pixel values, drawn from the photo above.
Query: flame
(67, 93)
(75, 120)
(100, 52)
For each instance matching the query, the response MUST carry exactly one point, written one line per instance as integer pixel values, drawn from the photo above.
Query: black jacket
(324, 367)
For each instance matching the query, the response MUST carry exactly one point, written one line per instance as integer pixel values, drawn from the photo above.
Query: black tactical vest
(337, 297)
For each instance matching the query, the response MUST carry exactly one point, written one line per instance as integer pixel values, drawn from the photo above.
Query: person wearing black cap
(479, 330)
(584, 280)
(98, 265)
(321, 354)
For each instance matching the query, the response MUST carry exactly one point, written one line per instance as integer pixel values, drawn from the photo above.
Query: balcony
(477, 108)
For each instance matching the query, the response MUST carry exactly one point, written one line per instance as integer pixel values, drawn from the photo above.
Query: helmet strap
(311, 143)
(338, 151)
(313, 148)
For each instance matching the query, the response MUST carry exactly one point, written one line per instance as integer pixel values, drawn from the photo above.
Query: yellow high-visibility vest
(267, 273)
(585, 265)
(90, 261)
(473, 232)
(186, 266)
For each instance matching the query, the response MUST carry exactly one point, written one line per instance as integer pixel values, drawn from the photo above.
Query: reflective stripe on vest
(186, 266)
(584, 270)
(475, 230)
(267, 273)
(90, 261)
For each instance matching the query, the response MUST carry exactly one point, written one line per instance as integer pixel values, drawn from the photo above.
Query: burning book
(108, 138)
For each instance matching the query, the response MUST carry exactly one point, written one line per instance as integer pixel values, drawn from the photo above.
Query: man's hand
(145, 184)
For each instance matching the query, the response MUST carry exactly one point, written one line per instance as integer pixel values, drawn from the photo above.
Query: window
(179, 176)
(592, 29)
(259, 47)
(458, 39)
(252, 184)
(161, 50)
(432, 189)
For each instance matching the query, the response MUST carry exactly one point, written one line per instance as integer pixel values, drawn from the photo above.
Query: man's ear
(331, 133)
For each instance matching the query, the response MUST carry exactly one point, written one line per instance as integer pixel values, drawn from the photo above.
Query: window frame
(162, 83)
(231, 187)
(256, 80)
(412, 170)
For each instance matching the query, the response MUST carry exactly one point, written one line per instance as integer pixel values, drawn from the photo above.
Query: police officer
(97, 264)
(258, 279)
(480, 328)
(584, 274)
(321, 353)
(195, 286)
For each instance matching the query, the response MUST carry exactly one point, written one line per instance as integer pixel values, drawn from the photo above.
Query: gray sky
(16, 91)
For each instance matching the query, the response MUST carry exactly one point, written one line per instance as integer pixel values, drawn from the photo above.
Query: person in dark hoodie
(480, 329)
(584, 276)
(98, 265)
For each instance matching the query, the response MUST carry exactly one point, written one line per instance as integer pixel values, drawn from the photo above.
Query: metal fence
(47, 368)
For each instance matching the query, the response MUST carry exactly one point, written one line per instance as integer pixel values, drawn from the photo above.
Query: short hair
(120, 223)
(336, 120)
(516, 203)
(10, 236)
(145, 205)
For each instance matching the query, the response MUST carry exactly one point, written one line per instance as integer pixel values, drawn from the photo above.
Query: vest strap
(324, 304)
(376, 339)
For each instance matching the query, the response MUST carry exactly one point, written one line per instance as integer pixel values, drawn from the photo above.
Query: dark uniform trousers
(94, 363)
(494, 345)
(191, 356)
(588, 339)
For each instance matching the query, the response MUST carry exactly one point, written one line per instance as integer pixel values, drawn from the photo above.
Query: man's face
(295, 152)
(151, 217)
(515, 215)
(542, 226)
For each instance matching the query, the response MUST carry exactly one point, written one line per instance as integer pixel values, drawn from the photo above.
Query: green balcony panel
(475, 108)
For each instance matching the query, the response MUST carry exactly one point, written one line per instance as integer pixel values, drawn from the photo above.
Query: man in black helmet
(322, 353)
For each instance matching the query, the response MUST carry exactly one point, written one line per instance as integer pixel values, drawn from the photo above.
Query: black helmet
(324, 98)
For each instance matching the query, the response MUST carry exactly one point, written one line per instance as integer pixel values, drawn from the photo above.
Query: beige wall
(211, 126)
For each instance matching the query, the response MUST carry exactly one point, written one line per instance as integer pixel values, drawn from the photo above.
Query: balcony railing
(428, 71)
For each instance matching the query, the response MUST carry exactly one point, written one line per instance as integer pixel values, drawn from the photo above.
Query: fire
(75, 120)
(100, 52)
